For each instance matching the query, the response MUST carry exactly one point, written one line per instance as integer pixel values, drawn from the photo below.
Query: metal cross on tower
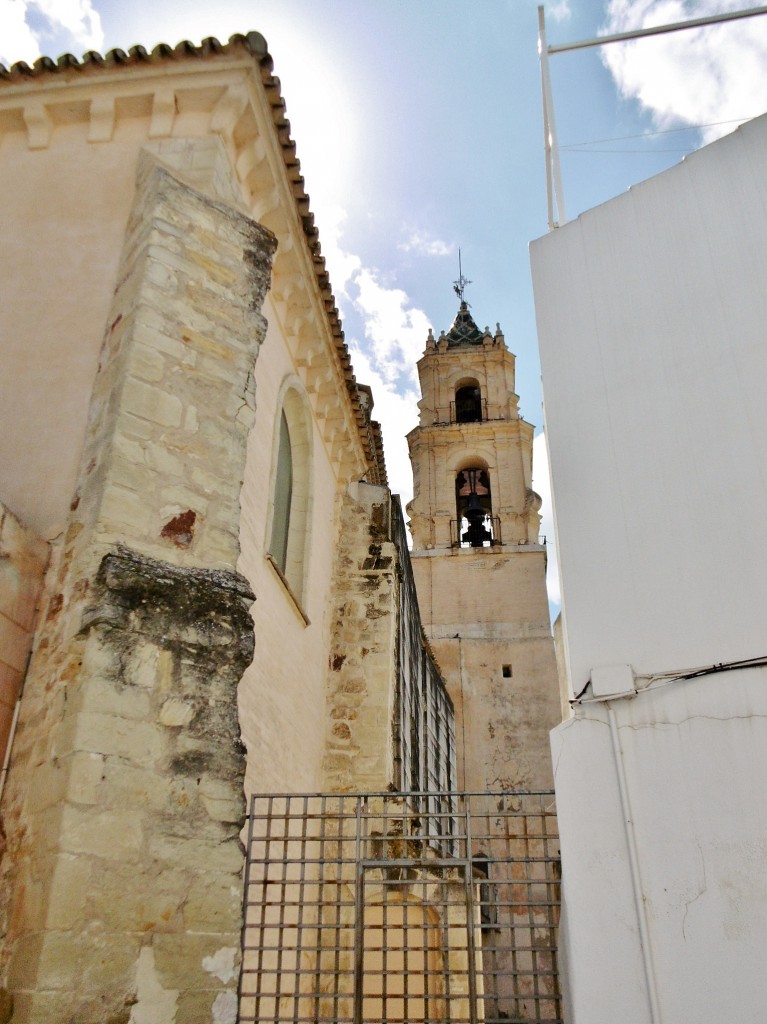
(460, 284)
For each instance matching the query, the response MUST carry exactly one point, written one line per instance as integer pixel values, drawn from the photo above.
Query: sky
(418, 125)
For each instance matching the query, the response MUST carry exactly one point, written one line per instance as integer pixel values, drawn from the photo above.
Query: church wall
(286, 682)
(74, 200)
(124, 801)
(362, 666)
(122, 884)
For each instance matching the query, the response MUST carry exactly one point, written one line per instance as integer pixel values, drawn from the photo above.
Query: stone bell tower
(479, 565)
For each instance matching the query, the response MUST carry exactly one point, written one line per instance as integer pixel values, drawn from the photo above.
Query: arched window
(474, 508)
(283, 496)
(468, 403)
(291, 491)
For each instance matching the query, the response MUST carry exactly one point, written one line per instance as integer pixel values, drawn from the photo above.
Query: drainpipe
(9, 745)
(12, 731)
(636, 878)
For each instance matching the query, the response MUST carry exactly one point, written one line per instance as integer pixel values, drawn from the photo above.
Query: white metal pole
(657, 30)
(550, 128)
(553, 173)
(546, 135)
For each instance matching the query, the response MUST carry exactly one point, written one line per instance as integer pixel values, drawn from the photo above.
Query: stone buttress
(122, 884)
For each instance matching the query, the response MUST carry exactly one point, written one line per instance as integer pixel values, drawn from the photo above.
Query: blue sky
(418, 126)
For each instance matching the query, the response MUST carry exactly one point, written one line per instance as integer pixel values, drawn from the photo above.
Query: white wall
(652, 314)
(694, 756)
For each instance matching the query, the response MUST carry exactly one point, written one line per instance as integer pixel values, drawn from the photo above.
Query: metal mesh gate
(401, 908)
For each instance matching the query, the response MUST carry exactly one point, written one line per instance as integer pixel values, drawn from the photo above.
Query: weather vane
(460, 284)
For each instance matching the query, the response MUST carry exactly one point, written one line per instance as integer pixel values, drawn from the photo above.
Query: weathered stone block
(133, 786)
(120, 508)
(151, 403)
(114, 684)
(107, 975)
(213, 1007)
(212, 903)
(181, 959)
(225, 856)
(138, 742)
(145, 898)
(46, 786)
(113, 834)
(176, 712)
(67, 907)
(227, 808)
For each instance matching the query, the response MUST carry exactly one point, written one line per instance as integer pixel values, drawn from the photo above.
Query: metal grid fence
(401, 908)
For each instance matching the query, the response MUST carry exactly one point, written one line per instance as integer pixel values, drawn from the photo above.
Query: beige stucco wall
(73, 199)
(285, 685)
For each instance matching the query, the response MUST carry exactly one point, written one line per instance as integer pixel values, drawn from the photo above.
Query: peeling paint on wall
(222, 964)
(155, 1005)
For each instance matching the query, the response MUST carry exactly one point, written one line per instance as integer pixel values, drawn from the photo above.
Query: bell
(477, 534)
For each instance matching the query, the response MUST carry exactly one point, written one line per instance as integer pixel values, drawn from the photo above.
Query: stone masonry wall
(391, 722)
(23, 559)
(121, 883)
(362, 665)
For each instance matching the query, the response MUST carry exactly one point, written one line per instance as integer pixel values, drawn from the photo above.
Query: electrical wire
(574, 147)
(677, 675)
(659, 131)
(644, 152)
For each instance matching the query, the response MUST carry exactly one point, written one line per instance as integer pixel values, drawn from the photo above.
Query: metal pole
(543, 55)
(550, 129)
(657, 30)
(554, 190)
(359, 918)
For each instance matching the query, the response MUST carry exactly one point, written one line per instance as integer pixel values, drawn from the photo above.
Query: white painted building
(652, 319)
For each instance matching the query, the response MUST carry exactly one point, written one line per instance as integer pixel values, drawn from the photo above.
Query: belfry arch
(474, 506)
(468, 403)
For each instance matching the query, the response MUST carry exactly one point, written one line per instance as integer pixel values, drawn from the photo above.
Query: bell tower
(478, 561)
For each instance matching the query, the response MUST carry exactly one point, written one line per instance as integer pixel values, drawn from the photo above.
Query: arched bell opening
(474, 507)
(468, 403)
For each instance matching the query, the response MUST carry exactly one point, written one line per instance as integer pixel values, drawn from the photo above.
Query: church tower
(479, 565)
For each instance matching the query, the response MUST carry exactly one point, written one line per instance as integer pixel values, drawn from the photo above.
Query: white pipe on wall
(636, 878)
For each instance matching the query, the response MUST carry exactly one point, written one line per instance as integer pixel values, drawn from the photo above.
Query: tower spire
(460, 284)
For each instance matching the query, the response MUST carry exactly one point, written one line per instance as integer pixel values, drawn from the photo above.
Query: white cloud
(426, 245)
(30, 27)
(342, 266)
(542, 485)
(397, 412)
(392, 337)
(17, 41)
(559, 10)
(397, 333)
(697, 76)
